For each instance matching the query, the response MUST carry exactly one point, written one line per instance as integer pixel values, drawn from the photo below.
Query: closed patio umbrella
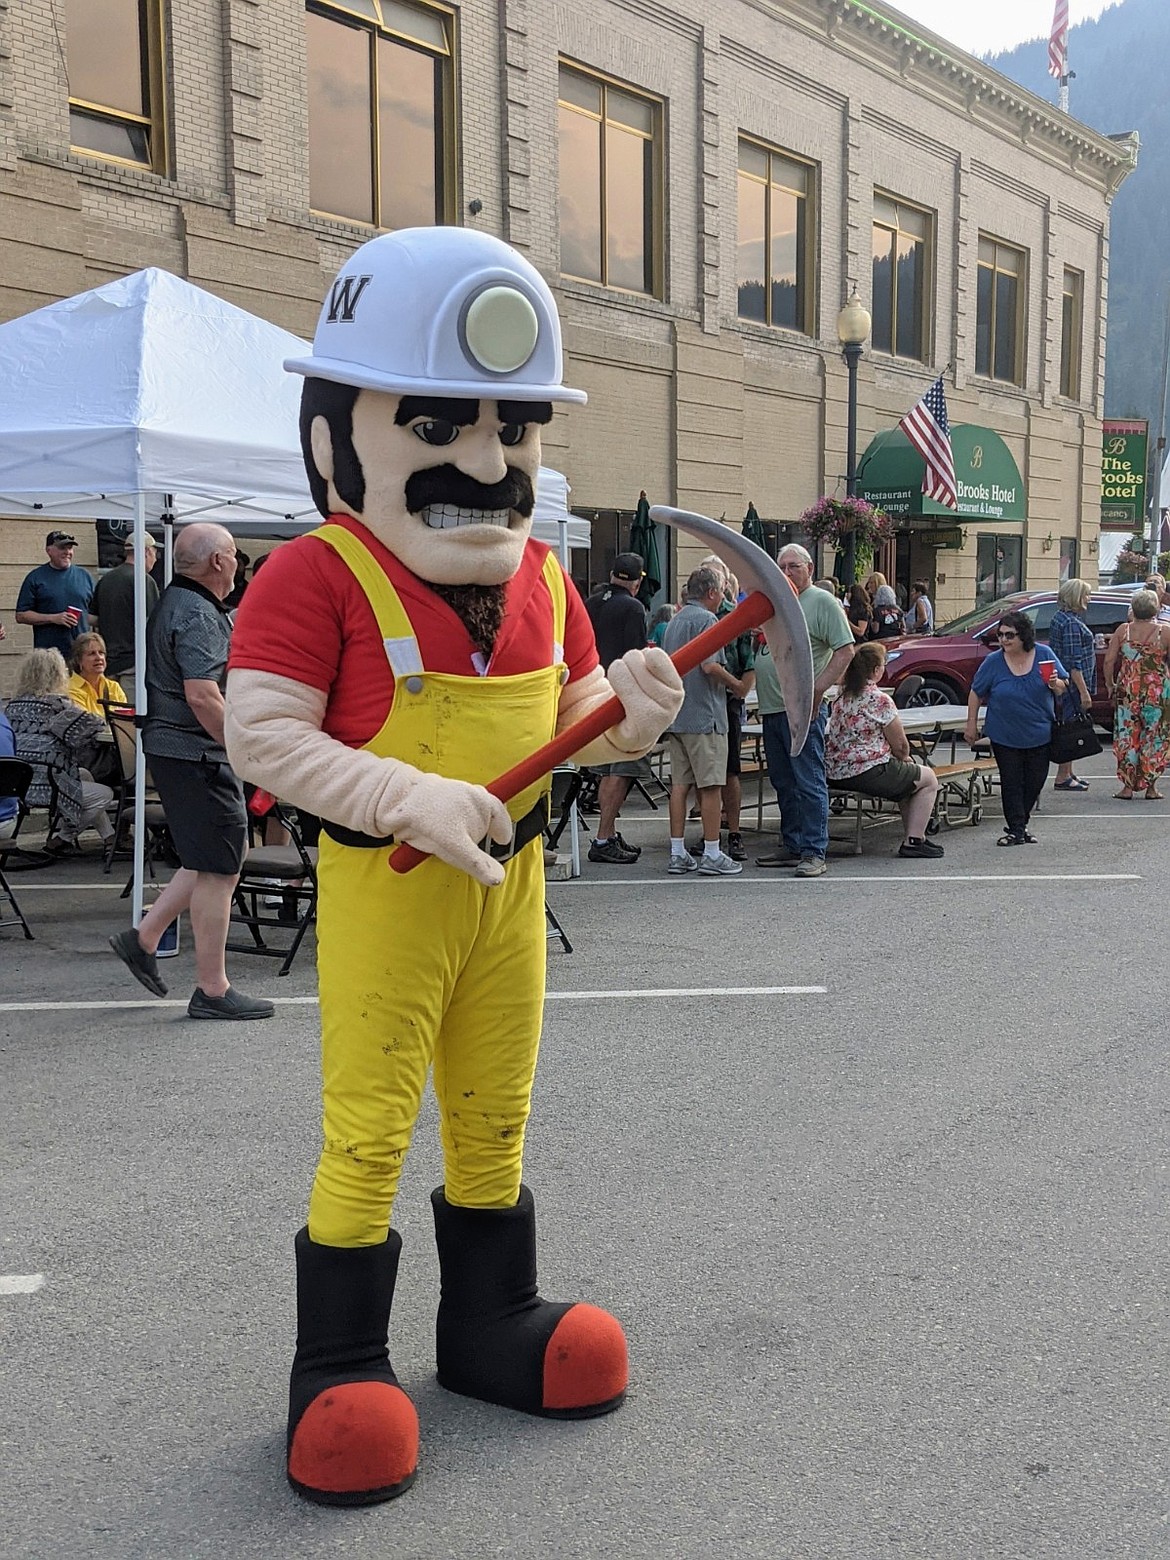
(753, 527)
(644, 540)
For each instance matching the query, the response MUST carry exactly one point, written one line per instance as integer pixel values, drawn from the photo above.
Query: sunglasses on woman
(1007, 633)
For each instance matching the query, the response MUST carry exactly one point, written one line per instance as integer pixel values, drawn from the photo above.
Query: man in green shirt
(800, 784)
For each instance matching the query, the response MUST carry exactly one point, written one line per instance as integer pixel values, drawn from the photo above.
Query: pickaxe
(770, 605)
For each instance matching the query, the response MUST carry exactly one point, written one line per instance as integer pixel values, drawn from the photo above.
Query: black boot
(352, 1431)
(496, 1339)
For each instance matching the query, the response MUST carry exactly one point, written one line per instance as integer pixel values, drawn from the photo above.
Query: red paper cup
(74, 614)
(1047, 668)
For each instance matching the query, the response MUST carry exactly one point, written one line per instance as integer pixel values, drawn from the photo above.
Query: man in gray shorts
(186, 664)
(697, 741)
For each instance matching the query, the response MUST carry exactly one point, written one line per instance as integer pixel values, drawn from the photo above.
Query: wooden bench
(961, 789)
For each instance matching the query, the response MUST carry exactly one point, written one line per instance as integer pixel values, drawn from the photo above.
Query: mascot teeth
(441, 517)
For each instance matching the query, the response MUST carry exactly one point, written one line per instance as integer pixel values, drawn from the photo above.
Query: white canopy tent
(149, 400)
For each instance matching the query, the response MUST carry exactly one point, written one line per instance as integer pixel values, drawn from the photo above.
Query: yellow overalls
(431, 968)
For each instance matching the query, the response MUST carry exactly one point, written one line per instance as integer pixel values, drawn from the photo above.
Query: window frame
(657, 139)
(1072, 333)
(928, 244)
(447, 119)
(153, 34)
(807, 254)
(1019, 322)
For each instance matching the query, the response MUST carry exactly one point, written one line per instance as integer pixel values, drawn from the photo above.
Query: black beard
(480, 608)
(449, 485)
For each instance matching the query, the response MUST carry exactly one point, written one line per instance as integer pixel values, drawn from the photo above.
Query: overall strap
(554, 578)
(401, 646)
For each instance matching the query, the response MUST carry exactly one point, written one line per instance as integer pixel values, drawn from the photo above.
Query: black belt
(529, 828)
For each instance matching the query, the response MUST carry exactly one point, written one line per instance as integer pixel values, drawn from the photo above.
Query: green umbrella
(644, 541)
(753, 527)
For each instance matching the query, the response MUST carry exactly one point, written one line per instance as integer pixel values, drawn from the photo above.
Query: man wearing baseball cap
(619, 624)
(54, 598)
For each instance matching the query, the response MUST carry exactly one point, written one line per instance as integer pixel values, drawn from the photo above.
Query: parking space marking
(21, 1283)
(550, 996)
(852, 879)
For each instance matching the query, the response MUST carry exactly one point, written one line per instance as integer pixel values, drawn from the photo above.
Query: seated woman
(58, 739)
(866, 750)
(89, 687)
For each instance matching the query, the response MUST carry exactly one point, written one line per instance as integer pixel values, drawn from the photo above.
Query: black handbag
(1072, 739)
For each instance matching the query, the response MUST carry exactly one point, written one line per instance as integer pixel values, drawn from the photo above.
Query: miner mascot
(384, 668)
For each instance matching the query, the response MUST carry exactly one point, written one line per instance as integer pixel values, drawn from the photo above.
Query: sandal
(1009, 839)
(1029, 839)
(1123, 796)
(1154, 796)
(1074, 784)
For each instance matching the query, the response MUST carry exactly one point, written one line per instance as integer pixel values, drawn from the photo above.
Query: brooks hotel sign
(1124, 448)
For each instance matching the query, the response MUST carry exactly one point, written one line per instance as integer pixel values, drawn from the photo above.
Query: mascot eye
(512, 433)
(437, 431)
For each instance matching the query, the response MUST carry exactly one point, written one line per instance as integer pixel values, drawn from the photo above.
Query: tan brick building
(703, 182)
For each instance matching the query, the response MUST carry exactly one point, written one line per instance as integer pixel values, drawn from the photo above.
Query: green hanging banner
(990, 487)
(1125, 449)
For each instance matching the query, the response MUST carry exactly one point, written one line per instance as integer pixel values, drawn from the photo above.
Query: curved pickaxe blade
(783, 626)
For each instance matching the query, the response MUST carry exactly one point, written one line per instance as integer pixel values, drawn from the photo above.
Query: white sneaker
(720, 865)
(681, 865)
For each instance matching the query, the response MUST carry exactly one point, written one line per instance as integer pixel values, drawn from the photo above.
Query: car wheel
(935, 691)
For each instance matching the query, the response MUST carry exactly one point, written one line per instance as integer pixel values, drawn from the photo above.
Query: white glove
(651, 692)
(448, 818)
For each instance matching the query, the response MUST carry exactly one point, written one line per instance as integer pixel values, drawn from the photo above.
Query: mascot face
(450, 483)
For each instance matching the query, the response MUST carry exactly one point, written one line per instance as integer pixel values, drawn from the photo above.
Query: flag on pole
(1058, 41)
(928, 430)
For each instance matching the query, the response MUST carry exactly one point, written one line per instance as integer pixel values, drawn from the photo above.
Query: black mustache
(449, 485)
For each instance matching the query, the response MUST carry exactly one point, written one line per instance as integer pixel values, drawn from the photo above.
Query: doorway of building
(999, 568)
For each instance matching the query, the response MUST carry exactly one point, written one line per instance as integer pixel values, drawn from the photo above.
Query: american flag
(1058, 41)
(928, 430)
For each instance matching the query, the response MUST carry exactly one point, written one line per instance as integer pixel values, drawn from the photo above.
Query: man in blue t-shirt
(55, 598)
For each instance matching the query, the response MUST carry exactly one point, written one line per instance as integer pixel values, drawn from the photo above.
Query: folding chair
(15, 779)
(126, 751)
(294, 866)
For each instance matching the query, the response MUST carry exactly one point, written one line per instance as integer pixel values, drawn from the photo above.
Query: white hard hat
(442, 311)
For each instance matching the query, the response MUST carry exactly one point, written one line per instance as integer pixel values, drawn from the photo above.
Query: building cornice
(886, 41)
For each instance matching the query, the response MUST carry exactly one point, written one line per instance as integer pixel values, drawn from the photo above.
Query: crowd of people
(75, 675)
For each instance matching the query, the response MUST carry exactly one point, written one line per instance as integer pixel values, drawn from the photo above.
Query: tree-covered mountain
(1120, 64)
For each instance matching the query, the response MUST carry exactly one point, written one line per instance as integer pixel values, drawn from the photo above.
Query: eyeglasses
(1007, 633)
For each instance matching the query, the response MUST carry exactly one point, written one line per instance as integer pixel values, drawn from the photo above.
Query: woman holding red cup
(1017, 683)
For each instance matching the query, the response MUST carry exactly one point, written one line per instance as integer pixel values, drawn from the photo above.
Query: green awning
(889, 475)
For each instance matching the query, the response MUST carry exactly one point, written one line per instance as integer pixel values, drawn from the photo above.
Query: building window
(380, 111)
(774, 263)
(1072, 314)
(999, 315)
(902, 269)
(113, 54)
(610, 205)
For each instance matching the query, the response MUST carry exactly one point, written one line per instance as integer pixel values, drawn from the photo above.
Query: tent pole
(139, 701)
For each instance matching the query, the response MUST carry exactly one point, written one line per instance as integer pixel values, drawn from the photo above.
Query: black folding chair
(289, 871)
(15, 779)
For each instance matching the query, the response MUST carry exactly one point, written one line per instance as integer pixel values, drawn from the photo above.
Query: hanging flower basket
(832, 520)
(1130, 565)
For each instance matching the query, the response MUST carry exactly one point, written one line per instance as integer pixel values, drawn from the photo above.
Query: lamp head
(853, 322)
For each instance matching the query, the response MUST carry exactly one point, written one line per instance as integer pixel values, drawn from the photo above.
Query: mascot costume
(384, 669)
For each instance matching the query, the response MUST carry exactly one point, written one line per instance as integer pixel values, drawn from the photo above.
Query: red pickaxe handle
(750, 613)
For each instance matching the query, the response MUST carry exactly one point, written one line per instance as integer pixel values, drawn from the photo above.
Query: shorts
(697, 758)
(892, 781)
(204, 804)
(734, 734)
(628, 768)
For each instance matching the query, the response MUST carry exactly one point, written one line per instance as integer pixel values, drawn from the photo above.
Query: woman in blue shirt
(1017, 682)
(1071, 642)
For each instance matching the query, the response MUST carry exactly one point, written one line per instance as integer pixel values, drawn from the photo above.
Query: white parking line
(21, 1283)
(550, 996)
(851, 880)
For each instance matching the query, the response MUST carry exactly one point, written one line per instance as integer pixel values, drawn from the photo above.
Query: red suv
(946, 660)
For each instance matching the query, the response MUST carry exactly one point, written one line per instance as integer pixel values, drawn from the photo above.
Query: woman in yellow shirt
(89, 686)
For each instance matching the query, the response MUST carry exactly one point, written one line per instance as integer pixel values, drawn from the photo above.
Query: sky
(987, 26)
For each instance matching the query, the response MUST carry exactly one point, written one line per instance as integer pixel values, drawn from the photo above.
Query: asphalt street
(873, 1168)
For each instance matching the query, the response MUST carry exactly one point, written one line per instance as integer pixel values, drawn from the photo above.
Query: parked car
(946, 660)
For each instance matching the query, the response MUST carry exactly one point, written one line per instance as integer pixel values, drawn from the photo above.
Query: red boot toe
(586, 1368)
(354, 1445)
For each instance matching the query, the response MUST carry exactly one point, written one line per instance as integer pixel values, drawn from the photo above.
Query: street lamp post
(853, 326)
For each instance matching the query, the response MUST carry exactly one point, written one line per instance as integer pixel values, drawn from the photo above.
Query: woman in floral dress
(1137, 674)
